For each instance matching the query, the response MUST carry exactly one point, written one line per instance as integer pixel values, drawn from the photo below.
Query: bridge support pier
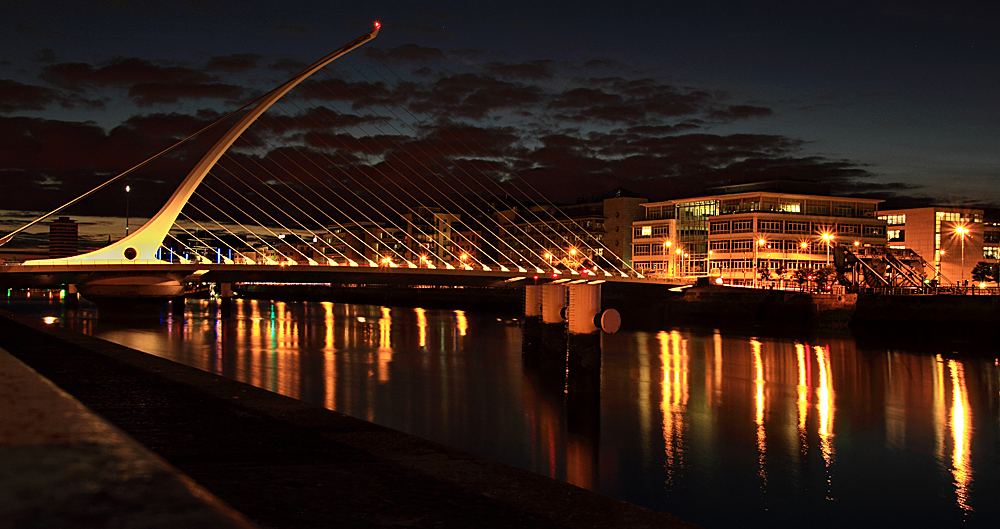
(553, 346)
(177, 307)
(584, 341)
(72, 299)
(226, 299)
(531, 331)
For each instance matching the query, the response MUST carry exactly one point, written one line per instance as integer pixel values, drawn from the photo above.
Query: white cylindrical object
(553, 301)
(584, 305)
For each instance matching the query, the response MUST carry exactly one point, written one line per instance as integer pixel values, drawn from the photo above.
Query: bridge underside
(53, 276)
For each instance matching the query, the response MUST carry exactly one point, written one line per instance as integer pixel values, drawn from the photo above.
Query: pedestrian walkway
(61, 465)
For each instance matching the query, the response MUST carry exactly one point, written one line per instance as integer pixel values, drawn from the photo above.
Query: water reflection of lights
(421, 326)
(961, 434)
(759, 407)
(463, 324)
(803, 394)
(674, 359)
(385, 344)
(825, 403)
(329, 358)
(939, 407)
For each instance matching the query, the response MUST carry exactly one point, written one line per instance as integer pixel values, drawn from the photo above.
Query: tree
(985, 272)
(824, 276)
(803, 276)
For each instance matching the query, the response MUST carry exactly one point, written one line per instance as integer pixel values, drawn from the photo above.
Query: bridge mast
(141, 245)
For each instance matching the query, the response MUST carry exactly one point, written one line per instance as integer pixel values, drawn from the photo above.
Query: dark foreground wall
(284, 463)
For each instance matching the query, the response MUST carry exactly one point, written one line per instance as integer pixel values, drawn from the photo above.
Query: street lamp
(127, 193)
(759, 243)
(828, 237)
(680, 261)
(962, 231)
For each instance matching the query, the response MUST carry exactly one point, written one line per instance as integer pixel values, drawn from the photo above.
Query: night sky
(896, 100)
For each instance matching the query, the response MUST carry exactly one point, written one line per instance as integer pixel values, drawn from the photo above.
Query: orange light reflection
(961, 435)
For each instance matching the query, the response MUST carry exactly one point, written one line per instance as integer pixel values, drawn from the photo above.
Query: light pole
(962, 231)
(677, 264)
(756, 262)
(828, 237)
(666, 261)
(127, 193)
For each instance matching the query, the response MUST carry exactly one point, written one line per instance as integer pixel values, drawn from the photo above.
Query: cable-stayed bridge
(318, 193)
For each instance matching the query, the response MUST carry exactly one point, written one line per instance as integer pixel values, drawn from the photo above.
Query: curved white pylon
(141, 245)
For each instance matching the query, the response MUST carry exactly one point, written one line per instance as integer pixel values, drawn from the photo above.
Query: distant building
(776, 225)
(935, 233)
(64, 238)
(593, 232)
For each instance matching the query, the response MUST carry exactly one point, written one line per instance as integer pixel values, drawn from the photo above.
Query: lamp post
(756, 262)
(127, 193)
(666, 261)
(962, 231)
(828, 237)
(677, 264)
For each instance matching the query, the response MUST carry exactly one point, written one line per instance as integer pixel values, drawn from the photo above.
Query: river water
(721, 428)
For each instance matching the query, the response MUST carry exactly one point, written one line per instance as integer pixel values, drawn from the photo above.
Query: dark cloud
(16, 96)
(467, 53)
(534, 70)
(239, 62)
(405, 53)
(287, 65)
(471, 96)
(735, 112)
(146, 94)
(120, 72)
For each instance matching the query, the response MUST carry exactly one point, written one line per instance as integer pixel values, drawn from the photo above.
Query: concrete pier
(553, 325)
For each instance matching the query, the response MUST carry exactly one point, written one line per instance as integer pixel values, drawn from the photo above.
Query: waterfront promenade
(280, 462)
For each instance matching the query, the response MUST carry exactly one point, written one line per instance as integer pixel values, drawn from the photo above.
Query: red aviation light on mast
(378, 24)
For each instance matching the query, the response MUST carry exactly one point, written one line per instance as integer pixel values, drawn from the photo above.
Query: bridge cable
(549, 203)
(538, 218)
(415, 213)
(446, 195)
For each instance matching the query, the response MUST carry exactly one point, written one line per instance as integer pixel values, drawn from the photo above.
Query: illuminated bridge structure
(134, 269)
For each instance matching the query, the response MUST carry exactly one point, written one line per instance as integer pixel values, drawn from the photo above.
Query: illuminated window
(719, 227)
(894, 220)
(647, 231)
(896, 235)
(742, 245)
(796, 227)
(991, 252)
(742, 226)
(769, 226)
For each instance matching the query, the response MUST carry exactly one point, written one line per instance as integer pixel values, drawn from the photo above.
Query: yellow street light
(962, 231)
(572, 251)
(465, 256)
(828, 237)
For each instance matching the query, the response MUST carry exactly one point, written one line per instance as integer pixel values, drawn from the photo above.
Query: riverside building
(950, 240)
(777, 225)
